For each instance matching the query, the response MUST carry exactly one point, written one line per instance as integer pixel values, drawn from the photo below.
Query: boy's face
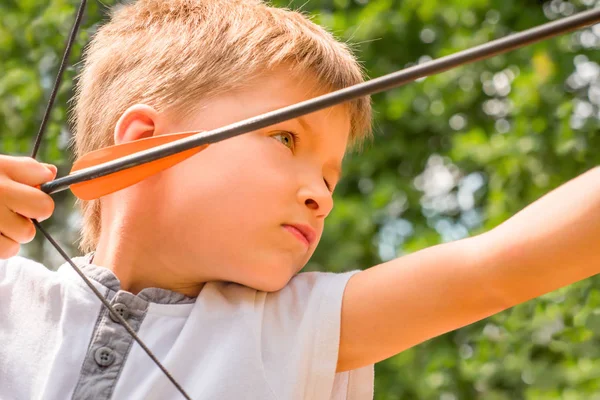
(251, 209)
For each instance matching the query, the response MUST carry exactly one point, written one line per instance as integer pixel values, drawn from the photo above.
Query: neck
(140, 257)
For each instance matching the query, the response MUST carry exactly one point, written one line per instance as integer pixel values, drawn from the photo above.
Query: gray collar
(107, 278)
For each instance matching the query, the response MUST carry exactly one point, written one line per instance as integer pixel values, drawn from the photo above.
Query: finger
(15, 227)
(26, 170)
(26, 201)
(52, 169)
(8, 247)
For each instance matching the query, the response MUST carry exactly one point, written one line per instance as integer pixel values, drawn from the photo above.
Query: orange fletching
(98, 187)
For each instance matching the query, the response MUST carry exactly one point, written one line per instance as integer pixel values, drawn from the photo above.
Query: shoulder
(20, 268)
(309, 288)
(314, 296)
(311, 300)
(300, 289)
(300, 336)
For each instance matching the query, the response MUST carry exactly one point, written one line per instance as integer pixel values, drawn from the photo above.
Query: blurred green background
(453, 155)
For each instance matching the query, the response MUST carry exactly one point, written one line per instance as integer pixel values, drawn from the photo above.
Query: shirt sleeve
(300, 341)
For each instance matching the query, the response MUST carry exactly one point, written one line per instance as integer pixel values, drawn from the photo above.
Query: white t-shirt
(231, 342)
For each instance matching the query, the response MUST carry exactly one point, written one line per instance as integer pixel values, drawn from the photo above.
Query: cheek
(251, 165)
(230, 204)
(240, 176)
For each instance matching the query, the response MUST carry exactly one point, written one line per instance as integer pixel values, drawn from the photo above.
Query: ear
(137, 122)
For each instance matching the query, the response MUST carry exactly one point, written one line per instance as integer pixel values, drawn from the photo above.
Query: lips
(303, 232)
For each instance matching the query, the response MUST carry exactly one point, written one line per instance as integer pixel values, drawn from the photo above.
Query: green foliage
(454, 155)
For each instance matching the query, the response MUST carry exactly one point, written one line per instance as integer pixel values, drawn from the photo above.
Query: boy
(203, 259)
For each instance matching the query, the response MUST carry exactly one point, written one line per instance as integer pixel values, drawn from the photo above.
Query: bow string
(69, 45)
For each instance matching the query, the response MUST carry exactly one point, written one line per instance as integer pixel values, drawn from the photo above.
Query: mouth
(303, 233)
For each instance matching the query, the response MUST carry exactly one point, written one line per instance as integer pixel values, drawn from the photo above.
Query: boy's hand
(20, 201)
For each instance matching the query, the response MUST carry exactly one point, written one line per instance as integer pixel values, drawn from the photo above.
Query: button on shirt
(104, 356)
(121, 309)
(231, 342)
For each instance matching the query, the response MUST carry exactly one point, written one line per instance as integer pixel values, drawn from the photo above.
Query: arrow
(115, 166)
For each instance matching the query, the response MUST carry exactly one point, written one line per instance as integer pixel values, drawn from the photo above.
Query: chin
(272, 278)
(271, 283)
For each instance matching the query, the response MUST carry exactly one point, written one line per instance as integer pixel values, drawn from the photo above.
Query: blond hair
(170, 53)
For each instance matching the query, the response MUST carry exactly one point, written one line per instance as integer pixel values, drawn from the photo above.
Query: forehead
(280, 88)
(271, 91)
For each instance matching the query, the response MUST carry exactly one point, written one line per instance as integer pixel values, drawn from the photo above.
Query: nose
(316, 197)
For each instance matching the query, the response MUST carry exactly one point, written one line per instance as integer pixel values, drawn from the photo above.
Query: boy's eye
(288, 139)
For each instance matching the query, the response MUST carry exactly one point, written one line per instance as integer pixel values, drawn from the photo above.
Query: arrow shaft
(370, 87)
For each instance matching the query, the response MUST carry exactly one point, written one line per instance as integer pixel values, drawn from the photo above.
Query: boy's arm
(550, 244)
